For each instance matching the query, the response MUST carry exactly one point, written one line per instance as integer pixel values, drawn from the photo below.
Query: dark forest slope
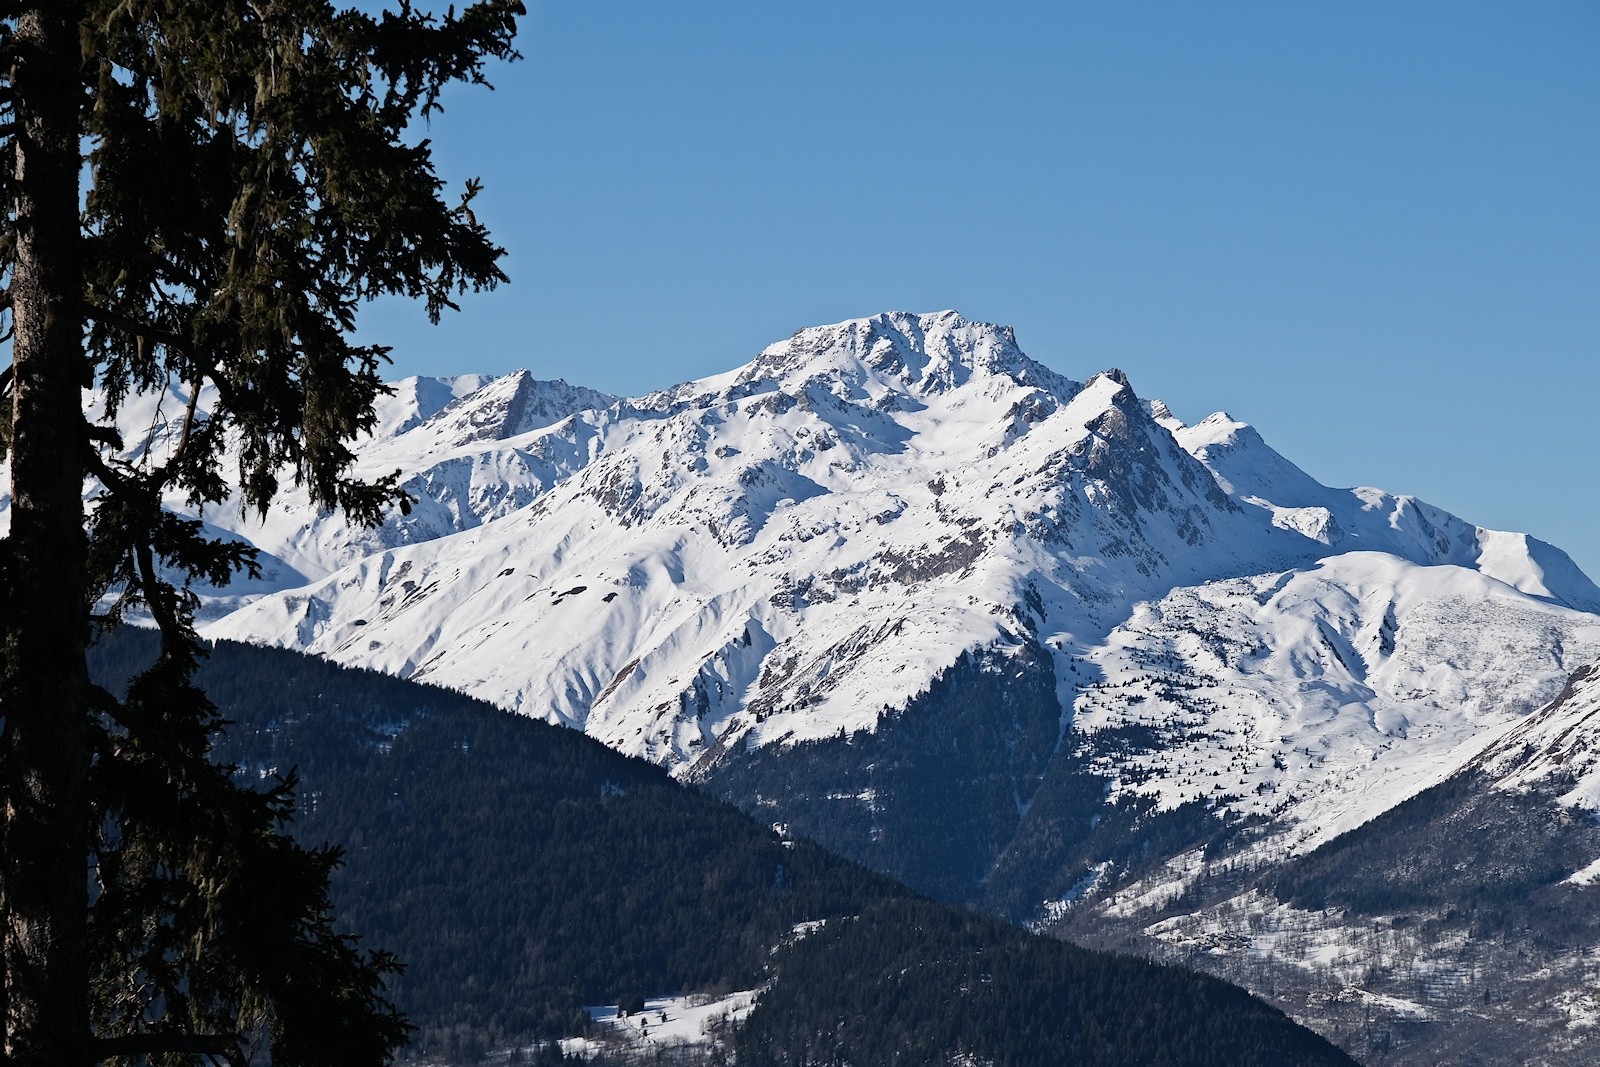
(522, 870)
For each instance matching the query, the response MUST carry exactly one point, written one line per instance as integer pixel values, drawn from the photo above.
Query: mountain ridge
(851, 418)
(791, 548)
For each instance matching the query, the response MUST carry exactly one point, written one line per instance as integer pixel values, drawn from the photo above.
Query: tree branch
(176, 342)
(224, 1045)
(155, 592)
(188, 424)
(114, 480)
(118, 321)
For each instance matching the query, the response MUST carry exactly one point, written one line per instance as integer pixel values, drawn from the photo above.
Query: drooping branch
(167, 339)
(132, 530)
(224, 1045)
(139, 501)
(109, 476)
(158, 595)
(178, 453)
(118, 321)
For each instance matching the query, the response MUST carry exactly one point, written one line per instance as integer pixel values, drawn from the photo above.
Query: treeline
(522, 870)
(913, 982)
(1461, 844)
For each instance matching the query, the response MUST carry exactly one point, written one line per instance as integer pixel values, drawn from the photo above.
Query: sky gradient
(1372, 230)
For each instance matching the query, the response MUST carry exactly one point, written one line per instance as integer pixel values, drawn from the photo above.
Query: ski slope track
(799, 547)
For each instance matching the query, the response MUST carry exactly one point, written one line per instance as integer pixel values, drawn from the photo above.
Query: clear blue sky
(1371, 229)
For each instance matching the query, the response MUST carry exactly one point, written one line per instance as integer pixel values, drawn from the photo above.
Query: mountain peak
(1162, 414)
(513, 404)
(921, 354)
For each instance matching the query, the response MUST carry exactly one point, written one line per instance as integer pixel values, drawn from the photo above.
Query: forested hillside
(915, 982)
(522, 870)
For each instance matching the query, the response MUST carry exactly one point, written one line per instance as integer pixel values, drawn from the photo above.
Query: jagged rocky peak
(1163, 415)
(1114, 375)
(1134, 470)
(924, 354)
(412, 401)
(510, 405)
(1114, 415)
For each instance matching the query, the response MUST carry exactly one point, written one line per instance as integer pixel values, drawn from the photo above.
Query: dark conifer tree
(199, 196)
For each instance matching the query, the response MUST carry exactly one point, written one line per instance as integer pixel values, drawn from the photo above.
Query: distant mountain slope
(1556, 751)
(1367, 519)
(1456, 926)
(523, 870)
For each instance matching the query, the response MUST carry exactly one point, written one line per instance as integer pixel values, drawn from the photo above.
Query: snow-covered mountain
(1021, 640)
(786, 550)
(1320, 697)
(798, 546)
(782, 551)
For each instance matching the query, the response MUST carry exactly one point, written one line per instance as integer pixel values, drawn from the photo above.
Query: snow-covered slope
(1455, 924)
(460, 443)
(791, 549)
(1365, 518)
(1320, 697)
(1557, 747)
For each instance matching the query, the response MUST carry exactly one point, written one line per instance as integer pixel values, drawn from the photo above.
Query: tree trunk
(46, 686)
